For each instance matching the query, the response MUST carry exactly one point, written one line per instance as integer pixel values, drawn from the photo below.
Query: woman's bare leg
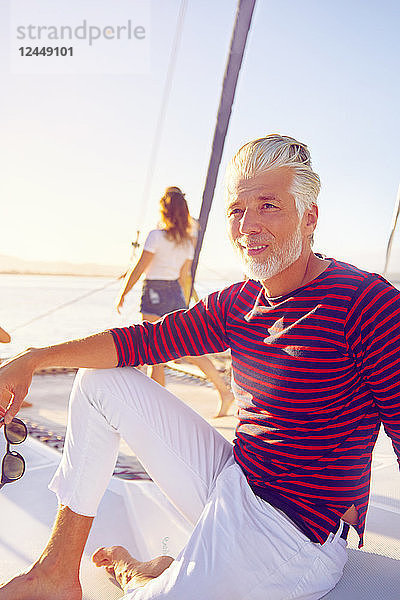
(156, 372)
(55, 576)
(226, 397)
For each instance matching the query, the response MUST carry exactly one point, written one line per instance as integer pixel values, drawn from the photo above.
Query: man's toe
(100, 557)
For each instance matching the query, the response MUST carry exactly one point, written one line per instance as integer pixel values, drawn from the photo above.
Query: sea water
(91, 308)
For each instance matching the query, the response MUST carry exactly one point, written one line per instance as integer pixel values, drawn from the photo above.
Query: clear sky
(75, 148)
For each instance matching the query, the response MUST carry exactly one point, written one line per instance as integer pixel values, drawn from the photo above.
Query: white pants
(241, 547)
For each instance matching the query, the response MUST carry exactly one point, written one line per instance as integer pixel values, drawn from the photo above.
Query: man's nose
(249, 223)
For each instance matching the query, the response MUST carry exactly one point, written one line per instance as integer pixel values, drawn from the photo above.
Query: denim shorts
(160, 296)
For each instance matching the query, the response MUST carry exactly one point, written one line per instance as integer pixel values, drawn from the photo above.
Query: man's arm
(200, 330)
(133, 275)
(373, 334)
(97, 351)
(193, 332)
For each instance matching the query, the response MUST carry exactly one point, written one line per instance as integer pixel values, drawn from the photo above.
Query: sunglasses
(13, 464)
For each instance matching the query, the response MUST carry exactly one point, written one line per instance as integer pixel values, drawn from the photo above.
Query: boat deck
(27, 508)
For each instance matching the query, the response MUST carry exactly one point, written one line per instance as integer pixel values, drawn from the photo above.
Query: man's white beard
(283, 257)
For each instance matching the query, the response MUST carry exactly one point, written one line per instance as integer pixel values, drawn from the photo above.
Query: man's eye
(235, 211)
(268, 205)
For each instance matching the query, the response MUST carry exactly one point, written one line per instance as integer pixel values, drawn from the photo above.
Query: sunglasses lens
(16, 432)
(13, 467)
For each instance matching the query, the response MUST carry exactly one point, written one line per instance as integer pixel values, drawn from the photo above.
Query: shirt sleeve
(373, 335)
(152, 241)
(199, 330)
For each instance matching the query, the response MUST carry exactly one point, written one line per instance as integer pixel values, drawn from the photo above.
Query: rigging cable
(150, 171)
(135, 246)
(163, 109)
(64, 304)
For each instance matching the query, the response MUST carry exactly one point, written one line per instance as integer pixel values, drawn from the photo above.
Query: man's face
(264, 225)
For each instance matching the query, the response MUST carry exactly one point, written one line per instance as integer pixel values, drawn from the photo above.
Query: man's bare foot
(39, 584)
(121, 565)
(225, 402)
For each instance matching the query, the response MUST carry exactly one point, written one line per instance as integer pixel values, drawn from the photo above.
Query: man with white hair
(315, 358)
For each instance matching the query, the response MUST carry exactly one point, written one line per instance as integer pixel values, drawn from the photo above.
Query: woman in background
(166, 261)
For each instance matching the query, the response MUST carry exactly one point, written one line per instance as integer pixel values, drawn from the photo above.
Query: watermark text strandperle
(91, 33)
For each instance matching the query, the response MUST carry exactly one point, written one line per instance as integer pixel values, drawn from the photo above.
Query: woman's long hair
(175, 218)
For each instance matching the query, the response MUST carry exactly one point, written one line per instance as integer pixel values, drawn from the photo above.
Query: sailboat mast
(392, 231)
(238, 44)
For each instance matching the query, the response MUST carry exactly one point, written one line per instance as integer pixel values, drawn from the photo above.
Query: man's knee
(96, 391)
(89, 385)
(91, 381)
(88, 380)
(98, 386)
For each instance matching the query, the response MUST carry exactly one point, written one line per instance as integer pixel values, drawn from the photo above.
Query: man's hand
(94, 352)
(15, 379)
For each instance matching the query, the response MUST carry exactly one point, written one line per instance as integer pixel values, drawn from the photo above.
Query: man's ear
(311, 220)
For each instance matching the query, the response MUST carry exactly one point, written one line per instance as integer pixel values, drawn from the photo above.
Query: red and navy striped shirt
(315, 373)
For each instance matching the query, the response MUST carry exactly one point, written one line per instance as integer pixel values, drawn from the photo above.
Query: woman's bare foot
(121, 565)
(41, 584)
(226, 400)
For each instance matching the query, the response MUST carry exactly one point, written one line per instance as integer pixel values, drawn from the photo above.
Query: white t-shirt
(168, 256)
